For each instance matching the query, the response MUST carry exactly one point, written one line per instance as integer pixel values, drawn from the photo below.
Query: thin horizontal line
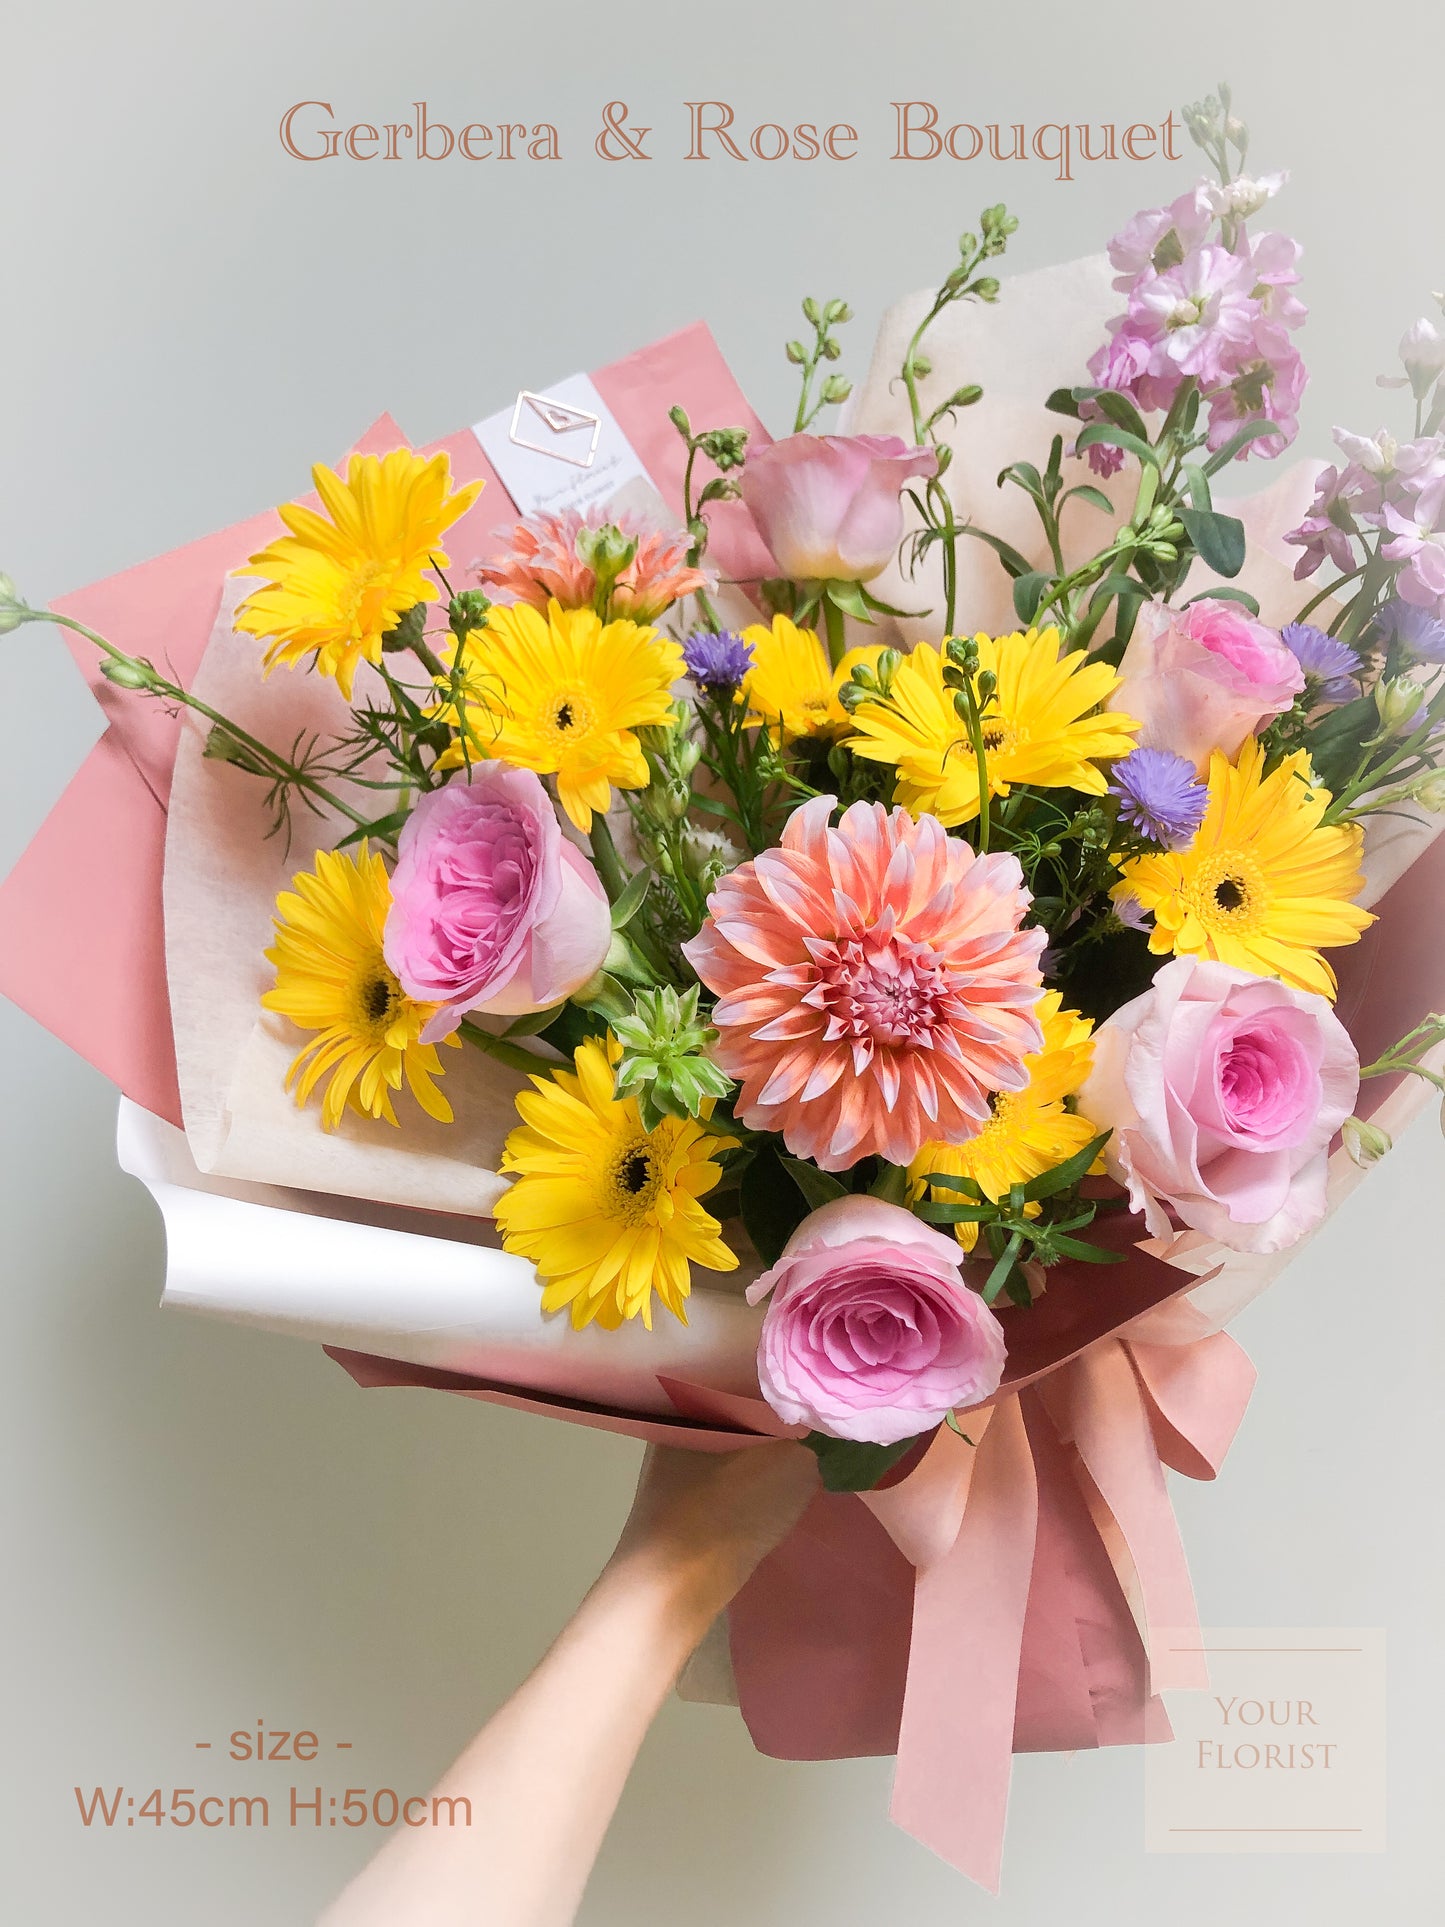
(203, 1745)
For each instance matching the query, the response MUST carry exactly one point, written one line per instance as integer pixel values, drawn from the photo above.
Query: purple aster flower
(1331, 667)
(1160, 795)
(717, 662)
(1415, 629)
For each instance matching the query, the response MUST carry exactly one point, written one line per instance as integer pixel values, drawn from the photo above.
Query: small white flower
(1244, 197)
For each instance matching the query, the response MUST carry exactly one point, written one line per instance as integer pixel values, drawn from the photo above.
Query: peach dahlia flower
(873, 984)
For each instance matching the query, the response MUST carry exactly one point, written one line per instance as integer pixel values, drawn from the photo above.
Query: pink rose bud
(1223, 1091)
(829, 507)
(492, 908)
(1204, 678)
(871, 1333)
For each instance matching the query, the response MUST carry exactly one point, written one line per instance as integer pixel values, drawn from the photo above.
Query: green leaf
(1025, 475)
(1015, 563)
(818, 1187)
(954, 1213)
(848, 596)
(1198, 482)
(1087, 1253)
(1240, 439)
(630, 902)
(1063, 401)
(1121, 411)
(1113, 585)
(1066, 1174)
(1219, 539)
(770, 1204)
(852, 1465)
(1003, 1270)
(947, 1181)
(384, 827)
(1226, 595)
(1029, 593)
(534, 1021)
(1086, 492)
(886, 608)
(1113, 436)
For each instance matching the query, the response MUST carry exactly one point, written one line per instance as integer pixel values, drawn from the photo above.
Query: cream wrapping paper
(409, 1286)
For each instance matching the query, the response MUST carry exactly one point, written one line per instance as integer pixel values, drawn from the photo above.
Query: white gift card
(559, 448)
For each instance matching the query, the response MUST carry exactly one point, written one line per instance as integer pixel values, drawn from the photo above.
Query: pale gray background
(206, 1526)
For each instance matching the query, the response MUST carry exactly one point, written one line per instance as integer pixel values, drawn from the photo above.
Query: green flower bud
(1366, 1143)
(11, 607)
(467, 611)
(1429, 791)
(837, 388)
(1396, 700)
(678, 417)
(138, 675)
(811, 311)
(796, 353)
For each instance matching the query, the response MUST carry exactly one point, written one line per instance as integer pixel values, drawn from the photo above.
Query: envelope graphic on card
(556, 428)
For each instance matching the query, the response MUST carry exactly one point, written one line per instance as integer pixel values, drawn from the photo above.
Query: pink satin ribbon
(1001, 1598)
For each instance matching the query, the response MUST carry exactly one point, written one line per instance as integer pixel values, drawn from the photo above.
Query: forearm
(543, 1778)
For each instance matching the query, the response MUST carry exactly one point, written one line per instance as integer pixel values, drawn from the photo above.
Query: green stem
(515, 1056)
(604, 855)
(891, 1183)
(152, 683)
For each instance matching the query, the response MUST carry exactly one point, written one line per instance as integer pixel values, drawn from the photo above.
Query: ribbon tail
(955, 1743)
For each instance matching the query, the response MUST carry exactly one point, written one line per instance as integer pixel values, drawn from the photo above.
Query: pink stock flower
(874, 984)
(1343, 498)
(1196, 316)
(1418, 540)
(1267, 384)
(829, 507)
(541, 564)
(1204, 678)
(871, 1332)
(1223, 1091)
(1160, 236)
(492, 908)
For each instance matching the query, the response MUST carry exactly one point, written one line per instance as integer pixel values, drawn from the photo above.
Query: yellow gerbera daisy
(337, 586)
(332, 978)
(563, 694)
(607, 1211)
(1029, 1131)
(1043, 727)
(1265, 885)
(791, 687)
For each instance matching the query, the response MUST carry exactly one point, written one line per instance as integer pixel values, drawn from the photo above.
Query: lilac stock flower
(1160, 795)
(1331, 667)
(1414, 629)
(1218, 314)
(717, 661)
(1418, 540)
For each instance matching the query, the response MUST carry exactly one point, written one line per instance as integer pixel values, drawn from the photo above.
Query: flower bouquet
(702, 981)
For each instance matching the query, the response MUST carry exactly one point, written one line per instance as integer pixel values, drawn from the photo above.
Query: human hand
(702, 1521)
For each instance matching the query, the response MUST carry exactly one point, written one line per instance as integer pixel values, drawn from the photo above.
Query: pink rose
(1204, 678)
(828, 506)
(871, 1332)
(1223, 1091)
(492, 908)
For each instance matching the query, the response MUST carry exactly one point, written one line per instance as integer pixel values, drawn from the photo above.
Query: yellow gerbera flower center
(376, 998)
(1229, 894)
(633, 1180)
